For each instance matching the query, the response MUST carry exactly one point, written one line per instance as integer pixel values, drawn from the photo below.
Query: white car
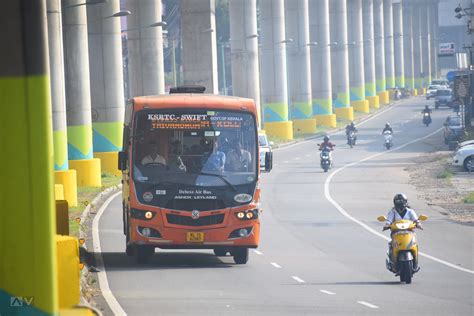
(440, 82)
(465, 143)
(264, 147)
(464, 157)
(431, 92)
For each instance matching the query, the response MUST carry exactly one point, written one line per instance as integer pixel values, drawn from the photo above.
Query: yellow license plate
(195, 237)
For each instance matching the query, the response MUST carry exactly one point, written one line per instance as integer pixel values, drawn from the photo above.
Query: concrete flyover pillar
(199, 54)
(389, 45)
(65, 179)
(145, 47)
(434, 38)
(340, 59)
(244, 50)
(379, 45)
(425, 42)
(408, 46)
(78, 95)
(369, 53)
(299, 67)
(273, 69)
(398, 34)
(321, 84)
(27, 224)
(417, 55)
(356, 56)
(107, 94)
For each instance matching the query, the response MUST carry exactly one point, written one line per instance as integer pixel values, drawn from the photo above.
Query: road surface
(321, 251)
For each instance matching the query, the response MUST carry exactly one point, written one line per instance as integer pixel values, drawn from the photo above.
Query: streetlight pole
(173, 56)
(224, 82)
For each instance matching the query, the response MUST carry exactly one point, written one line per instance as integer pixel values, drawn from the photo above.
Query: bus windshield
(195, 147)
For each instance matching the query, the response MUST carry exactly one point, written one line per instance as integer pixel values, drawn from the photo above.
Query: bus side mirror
(268, 161)
(122, 160)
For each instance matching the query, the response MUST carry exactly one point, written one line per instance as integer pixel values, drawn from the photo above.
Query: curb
(96, 203)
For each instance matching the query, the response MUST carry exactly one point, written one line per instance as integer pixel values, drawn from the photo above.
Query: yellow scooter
(402, 257)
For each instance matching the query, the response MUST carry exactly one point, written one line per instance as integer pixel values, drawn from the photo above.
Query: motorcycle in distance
(325, 158)
(388, 139)
(351, 139)
(402, 260)
(426, 118)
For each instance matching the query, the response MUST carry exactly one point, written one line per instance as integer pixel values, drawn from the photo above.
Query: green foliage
(446, 174)
(469, 199)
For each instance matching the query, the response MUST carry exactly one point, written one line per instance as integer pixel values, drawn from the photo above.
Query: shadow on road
(118, 261)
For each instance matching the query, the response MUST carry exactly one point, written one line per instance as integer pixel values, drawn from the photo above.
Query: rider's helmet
(387, 124)
(326, 139)
(352, 124)
(400, 202)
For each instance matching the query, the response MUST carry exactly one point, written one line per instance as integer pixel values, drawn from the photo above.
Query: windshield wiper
(219, 176)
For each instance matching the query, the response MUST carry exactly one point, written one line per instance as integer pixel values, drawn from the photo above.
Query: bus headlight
(247, 215)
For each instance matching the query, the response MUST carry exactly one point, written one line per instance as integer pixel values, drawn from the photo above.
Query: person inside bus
(174, 159)
(238, 159)
(214, 161)
(153, 156)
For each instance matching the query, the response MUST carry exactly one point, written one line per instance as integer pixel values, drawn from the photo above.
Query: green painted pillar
(27, 224)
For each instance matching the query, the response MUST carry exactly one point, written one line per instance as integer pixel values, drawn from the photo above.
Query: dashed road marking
(297, 279)
(297, 158)
(258, 252)
(367, 304)
(327, 292)
(286, 161)
(276, 265)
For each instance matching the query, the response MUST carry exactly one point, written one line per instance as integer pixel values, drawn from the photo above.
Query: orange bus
(190, 166)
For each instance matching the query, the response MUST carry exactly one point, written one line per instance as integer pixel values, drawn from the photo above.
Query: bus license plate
(195, 237)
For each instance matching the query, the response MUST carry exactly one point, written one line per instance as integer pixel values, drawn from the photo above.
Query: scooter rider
(351, 128)
(400, 211)
(326, 144)
(426, 110)
(387, 128)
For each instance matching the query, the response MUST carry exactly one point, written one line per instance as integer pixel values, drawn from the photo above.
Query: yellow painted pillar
(28, 270)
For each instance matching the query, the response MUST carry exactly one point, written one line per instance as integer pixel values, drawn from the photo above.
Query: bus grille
(188, 221)
(199, 205)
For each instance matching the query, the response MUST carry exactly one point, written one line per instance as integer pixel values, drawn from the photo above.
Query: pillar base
(58, 192)
(384, 98)
(88, 172)
(328, 120)
(374, 102)
(304, 126)
(414, 92)
(282, 130)
(68, 179)
(109, 162)
(391, 94)
(361, 106)
(345, 113)
(421, 91)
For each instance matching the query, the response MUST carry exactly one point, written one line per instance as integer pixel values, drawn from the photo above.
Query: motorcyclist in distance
(426, 110)
(351, 128)
(326, 143)
(387, 128)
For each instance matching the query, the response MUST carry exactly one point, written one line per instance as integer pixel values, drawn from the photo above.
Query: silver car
(264, 147)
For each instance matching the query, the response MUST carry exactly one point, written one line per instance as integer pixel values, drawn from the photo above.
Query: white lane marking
(102, 274)
(367, 304)
(355, 220)
(286, 161)
(327, 292)
(258, 252)
(297, 279)
(297, 158)
(276, 265)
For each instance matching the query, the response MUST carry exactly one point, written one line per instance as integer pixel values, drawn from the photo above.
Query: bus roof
(198, 101)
